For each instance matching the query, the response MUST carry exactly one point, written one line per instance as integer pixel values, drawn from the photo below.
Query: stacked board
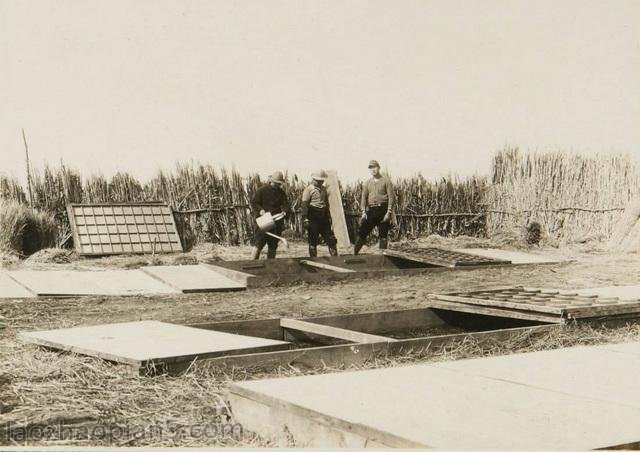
(105, 229)
(551, 305)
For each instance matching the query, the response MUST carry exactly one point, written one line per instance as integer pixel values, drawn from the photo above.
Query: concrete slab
(515, 257)
(148, 341)
(11, 289)
(78, 283)
(438, 406)
(624, 293)
(193, 278)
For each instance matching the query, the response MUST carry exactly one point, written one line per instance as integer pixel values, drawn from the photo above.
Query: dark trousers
(375, 215)
(260, 239)
(320, 225)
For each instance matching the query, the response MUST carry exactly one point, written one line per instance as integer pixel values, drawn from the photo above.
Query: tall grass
(213, 205)
(571, 196)
(24, 231)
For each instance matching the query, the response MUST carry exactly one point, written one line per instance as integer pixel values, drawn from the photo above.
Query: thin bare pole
(26, 151)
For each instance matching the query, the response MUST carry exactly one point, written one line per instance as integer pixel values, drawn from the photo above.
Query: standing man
(269, 198)
(316, 215)
(377, 207)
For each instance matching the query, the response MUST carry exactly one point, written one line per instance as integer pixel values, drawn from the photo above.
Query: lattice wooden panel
(563, 303)
(442, 257)
(103, 229)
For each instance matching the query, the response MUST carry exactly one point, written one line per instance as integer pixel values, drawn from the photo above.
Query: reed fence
(214, 205)
(573, 197)
(570, 196)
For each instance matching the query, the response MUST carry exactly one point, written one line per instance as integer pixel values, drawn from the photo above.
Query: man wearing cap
(273, 199)
(316, 216)
(377, 207)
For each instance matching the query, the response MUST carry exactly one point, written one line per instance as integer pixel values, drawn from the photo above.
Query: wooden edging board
(377, 323)
(332, 331)
(346, 355)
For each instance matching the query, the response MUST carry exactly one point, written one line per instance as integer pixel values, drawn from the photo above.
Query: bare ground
(41, 387)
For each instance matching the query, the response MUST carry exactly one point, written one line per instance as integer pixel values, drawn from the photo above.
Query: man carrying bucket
(316, 216)
(377, 207)
(270, 198)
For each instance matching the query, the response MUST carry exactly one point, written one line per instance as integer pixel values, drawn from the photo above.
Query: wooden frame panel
(127, 228)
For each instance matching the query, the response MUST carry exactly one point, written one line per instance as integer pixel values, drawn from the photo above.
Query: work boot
(333, 250)
(271, 253)
(255, 255)
(313, 251)
(358, 246)
(383, 244)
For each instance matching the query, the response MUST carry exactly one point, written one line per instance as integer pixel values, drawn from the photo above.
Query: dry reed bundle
(24, 231)
(572, 197)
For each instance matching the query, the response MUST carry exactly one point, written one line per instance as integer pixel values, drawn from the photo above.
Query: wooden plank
(497, 312)
(383, 321)
(324, 266)
(247, 279)
(603, 373)
(149, 342)
(331, 331)
(368, 322)
(267, 328)
(193, 278)
(10, 288)
(308, 428)
(450, 408)
(598, 311)
(338, 220)
(500, 303)
(346, 355)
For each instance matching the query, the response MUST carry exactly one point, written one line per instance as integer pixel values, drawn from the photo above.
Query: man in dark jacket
(269, 198)
(377, 207)
(316, 216)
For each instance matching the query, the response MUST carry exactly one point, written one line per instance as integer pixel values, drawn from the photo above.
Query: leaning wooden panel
(129, 228)
(338, 220)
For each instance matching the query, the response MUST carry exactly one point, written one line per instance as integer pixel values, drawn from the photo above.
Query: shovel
(267, 222)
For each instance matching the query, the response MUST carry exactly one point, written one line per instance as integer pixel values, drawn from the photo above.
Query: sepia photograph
(327, 224)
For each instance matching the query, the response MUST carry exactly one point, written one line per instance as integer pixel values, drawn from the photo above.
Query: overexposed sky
(423, 86)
